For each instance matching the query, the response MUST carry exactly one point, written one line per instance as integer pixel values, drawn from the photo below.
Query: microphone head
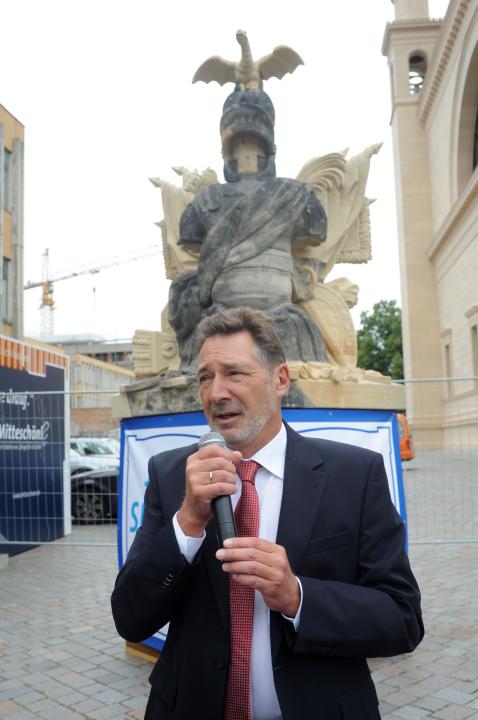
(211, 438)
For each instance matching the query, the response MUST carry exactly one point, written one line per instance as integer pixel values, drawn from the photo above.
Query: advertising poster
(143, 437)
(32, 443)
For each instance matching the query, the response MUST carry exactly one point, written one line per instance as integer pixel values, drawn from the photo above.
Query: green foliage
(380, 339)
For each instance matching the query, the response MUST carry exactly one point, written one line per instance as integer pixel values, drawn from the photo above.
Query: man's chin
(228, 430)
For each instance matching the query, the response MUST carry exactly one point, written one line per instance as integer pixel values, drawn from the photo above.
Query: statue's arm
(191, 227)
(312, 226)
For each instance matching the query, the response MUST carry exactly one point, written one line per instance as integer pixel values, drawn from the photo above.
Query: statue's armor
(261, 276)
(245, 231)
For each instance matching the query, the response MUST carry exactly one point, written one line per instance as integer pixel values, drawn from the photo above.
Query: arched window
(467, 127)
(417, 67)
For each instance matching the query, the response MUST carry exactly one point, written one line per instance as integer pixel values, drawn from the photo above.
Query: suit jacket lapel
(304, 485)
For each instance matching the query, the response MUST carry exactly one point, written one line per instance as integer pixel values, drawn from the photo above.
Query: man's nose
(219, 389)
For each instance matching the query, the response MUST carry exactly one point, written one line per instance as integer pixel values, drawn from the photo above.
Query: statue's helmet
(247, 112)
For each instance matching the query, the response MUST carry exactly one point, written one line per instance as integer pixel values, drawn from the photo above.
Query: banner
(32, 442)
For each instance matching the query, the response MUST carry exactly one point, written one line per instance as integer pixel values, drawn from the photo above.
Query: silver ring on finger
(211, 479)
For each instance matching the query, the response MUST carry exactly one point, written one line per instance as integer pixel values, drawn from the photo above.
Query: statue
(244, 231)
(264, 241)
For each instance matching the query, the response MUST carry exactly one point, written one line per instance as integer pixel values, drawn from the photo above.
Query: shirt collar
(272, 456)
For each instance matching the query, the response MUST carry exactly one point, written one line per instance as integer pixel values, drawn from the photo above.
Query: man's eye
(203, 378)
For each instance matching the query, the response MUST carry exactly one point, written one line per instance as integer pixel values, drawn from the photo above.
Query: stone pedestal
(316, 385)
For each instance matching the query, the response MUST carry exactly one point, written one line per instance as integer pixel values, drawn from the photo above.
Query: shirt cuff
(189, 546)
(296, 620)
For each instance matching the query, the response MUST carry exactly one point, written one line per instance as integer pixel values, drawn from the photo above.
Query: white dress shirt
(269, 485)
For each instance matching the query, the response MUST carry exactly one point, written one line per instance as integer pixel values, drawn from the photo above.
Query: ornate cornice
(404, 26)
(455, 215)
(441, 57)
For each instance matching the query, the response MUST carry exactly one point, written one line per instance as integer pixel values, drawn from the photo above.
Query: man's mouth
(226, 415)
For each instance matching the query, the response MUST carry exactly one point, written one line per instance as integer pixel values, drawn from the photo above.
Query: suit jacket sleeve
(150, 586)
(378, 614)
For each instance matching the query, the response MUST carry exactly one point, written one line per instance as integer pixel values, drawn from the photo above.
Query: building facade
(11, 225)
(116, 352)
(93, 383)
(434, 86)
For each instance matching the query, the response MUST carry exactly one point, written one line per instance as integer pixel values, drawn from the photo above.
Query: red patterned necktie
(241, 604)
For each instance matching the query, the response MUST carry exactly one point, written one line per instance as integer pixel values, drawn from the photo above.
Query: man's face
(241, 399)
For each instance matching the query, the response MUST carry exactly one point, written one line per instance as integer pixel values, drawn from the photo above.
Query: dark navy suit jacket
(345, 541)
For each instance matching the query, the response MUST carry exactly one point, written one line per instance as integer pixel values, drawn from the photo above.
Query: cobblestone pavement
(60, 657)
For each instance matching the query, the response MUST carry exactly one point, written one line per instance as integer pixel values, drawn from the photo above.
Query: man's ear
(282, 379)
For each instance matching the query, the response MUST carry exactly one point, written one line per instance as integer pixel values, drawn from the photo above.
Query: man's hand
(263, 566)
(195, 512)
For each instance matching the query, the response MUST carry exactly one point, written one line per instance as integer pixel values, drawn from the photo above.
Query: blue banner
(32, 445)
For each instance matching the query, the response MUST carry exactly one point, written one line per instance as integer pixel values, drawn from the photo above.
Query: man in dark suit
(330, 582)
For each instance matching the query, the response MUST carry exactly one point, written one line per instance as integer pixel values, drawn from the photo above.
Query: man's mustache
(222, 408)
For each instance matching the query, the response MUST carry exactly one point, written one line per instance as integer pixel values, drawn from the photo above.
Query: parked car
(94, 496)
(407, 451)
(94, 480)
(95, 446)
(114, 444)
(87, 463)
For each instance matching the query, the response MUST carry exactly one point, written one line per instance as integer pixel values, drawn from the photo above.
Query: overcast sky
(104, 90)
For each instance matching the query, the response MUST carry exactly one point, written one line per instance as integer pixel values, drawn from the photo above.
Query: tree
(380, 339)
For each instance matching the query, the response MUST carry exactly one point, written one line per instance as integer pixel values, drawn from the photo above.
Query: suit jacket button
(220, 663)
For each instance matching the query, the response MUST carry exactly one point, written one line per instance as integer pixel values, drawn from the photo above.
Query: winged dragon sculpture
(247, 73)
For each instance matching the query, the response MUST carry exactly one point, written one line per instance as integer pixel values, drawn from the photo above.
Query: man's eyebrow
(227, 366)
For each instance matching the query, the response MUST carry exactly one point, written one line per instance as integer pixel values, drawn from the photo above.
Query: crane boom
(47, 306)
(93, 269)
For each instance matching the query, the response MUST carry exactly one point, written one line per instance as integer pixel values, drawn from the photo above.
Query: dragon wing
(216, 69)
(340, 186)
(280, 61)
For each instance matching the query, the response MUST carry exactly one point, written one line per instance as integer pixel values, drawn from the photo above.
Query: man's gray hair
(268, 351)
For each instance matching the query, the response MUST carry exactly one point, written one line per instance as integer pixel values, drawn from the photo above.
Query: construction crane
(47, 306)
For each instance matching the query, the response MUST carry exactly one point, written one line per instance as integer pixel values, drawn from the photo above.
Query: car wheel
(88, 505)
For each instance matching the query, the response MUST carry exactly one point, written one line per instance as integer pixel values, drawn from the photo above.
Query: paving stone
(86, 705)
(6, 707)
(454, 696)
(107, 713)
(410, 712)
(110, 696)
(399, 698)
(60, 713)
(431, 703)
(21, 715)
(27, 698)
(454, 712)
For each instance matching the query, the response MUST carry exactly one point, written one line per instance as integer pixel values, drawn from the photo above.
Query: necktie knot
(247, 470)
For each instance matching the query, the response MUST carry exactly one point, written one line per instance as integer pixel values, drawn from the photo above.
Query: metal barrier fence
(59, 464)
(441, 481)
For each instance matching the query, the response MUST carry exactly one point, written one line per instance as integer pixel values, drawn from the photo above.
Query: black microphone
(221, 506)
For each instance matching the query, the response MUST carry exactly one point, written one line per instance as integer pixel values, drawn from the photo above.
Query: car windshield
(94, 447)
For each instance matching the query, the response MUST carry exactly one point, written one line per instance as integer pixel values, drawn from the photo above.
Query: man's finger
(215, 489)
(252, 568)
(247, 555)
(251, 542)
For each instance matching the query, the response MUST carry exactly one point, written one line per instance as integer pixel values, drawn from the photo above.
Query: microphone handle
(224, 518)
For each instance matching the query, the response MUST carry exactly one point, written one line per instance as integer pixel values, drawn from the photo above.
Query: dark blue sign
(32, 452)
